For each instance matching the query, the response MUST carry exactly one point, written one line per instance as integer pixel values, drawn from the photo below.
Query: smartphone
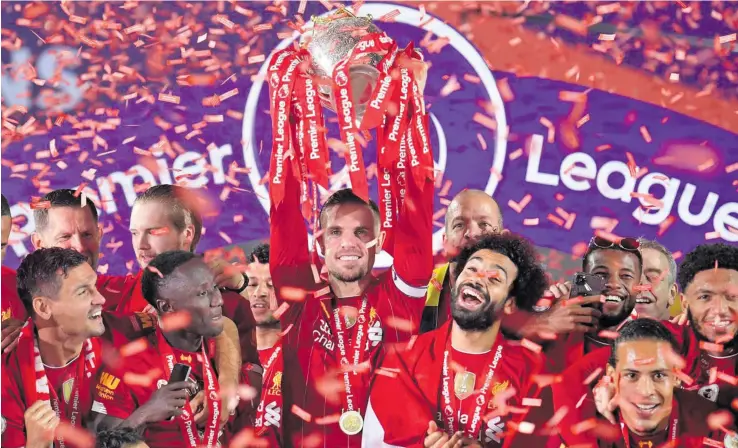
(586, 285)
(180, 372)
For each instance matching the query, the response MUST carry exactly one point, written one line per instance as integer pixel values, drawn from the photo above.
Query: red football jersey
(407, 392)
(12, 307)
(395, 303)
(119, 330)
(117, 395)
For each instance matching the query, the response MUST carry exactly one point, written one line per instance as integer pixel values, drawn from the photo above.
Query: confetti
(292, 294)
(533, 402)
(304, 415)
(592, 376)
(169, 98)
(175, 321)
(133, 347)
(530, 345)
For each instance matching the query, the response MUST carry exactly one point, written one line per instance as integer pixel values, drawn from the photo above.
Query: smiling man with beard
(619, 265)
(434, 391)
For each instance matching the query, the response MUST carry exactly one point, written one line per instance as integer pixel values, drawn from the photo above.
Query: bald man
(470, 215)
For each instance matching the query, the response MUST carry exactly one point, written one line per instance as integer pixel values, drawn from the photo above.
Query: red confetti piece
(581, 400)
(168, 98)
(134, 347)
(557, 417)
(401, 324)
(608, 334)
(712, 235)
(247, 438)
(328, 419)
(281, 310)
(533, 402)
(144, 380)
(519, 206)
(719, 419)
(646, 135)
(584, 426)
(303, 414)
(291, 293)
(155, 271)
(486, 121)
(593, 376)
(530, 345)
(175, 321)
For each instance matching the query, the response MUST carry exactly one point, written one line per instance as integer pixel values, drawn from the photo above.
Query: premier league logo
(447, 112)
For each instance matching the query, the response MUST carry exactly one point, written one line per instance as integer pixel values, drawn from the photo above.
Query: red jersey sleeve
(13, 406)
(413, 245)
(289, 253)
(238, 310)
(112, 396)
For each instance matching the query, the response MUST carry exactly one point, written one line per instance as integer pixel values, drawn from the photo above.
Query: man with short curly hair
(450, 378)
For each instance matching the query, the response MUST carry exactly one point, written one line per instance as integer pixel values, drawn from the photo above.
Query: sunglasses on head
(629, 244)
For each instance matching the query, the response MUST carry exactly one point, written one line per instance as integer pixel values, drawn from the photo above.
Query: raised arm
(289, 255)
(413, 248)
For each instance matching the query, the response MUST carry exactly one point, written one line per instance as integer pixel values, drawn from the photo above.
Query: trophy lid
(332, 38)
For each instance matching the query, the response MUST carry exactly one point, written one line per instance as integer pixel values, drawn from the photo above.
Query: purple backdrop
(700, 202)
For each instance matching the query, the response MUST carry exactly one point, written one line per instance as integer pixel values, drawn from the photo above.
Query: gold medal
(731, 441)
(464, 384)
(351, 423)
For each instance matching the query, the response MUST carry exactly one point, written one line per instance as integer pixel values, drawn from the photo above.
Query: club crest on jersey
(187, 358)
(350, 315)
(276, 388)
(709, 392)
(67, 389)
(7, 314)
(464, 384)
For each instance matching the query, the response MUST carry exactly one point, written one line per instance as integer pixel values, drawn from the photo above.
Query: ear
(36, 240)
(189, 236)
(509, 307)
(380, 241)
(610, 371)
(673, 292)
(504, 232)
(163, 306)
(99, 231)
(42, 307)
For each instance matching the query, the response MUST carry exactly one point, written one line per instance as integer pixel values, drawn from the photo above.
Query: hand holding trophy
(346, 64)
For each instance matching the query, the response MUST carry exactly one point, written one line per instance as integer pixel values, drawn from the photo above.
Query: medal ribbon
(673, 426)
(187, 425)
(273, 365)
(451, 407)
(350, 379)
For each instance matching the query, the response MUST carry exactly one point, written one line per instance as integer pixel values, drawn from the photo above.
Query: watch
(240, 290)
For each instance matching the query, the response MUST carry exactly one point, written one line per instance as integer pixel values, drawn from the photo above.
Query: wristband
(240, 290)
